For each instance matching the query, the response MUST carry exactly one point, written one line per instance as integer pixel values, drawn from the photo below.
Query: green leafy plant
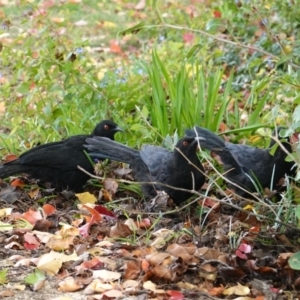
(3, 276)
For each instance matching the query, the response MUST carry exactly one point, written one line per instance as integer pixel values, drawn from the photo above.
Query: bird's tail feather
(106, 156)
(210, 140)
(100, 147)
(7, 170)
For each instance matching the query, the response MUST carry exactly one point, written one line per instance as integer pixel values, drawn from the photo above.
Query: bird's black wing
(101, 147)
(56, 163)
(248, 158)
(155, 158)
(56, 155)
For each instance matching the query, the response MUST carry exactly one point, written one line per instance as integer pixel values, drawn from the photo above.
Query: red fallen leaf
(216, 291)
(222, 127)
(217, 14)
(31, 242)
(10, 157)
(32, 216)
(91, 264)
(188, 37)
(104, 211)
(242, 250)
(48, 209)
(209, 203)
(175, 295)
(94, 213)
(29, 238)
(115, 48)
(274, 290)
(84, 230)
(145, 223)
(254, 229)
(145, 265)
(28, 246)
(17, 182)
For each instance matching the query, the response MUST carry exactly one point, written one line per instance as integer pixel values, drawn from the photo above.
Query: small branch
(229, 181)
(276, 139)
(137, 182)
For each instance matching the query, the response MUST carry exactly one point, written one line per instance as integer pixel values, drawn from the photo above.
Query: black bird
(156, 164)
(57, 162)
(245, 164)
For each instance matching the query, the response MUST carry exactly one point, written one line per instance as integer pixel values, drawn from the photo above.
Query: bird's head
(188, 144)
(107, 128)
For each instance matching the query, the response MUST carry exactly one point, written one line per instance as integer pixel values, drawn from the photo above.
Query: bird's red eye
(106, 127)
(185, 143)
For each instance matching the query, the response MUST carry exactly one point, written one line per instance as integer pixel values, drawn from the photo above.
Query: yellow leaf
(57, 20)
(248, 207)
(149, 285)
(86, 198)
(101, 74)
(59, 243)
(5, 212)
(287, 49)
(52, 262)
(108, 24)
(34, 193)
(239, 290)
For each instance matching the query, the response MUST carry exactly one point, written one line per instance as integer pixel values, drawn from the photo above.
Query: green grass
(221, 64)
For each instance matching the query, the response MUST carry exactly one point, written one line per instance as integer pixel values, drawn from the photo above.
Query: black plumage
(156, 164)
(57, 162)
(244, 164)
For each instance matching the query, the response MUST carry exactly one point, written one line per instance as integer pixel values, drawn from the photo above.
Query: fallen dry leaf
(97, 286)
(69, 284)
(120, 230)
(239, 290)
(110, 186)
(86, 198)
(52, 261)
(106, 275)
(133, 270)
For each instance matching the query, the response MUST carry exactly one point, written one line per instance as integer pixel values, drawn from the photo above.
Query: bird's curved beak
(119, 129)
